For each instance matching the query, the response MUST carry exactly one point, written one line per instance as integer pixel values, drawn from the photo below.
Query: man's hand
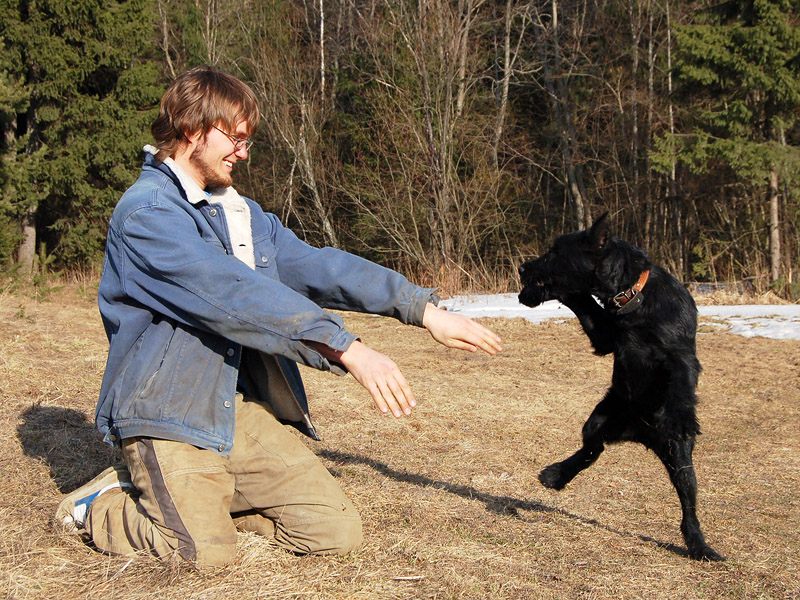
(382, 378)
(458, 331)
(379, 375)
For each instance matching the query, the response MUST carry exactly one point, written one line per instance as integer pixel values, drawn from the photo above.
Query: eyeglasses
(238, 143)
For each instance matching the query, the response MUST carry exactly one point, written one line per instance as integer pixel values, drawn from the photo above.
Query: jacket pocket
(143, 367)
(265, 257)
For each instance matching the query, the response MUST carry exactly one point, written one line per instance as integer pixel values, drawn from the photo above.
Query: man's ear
(188, 144)
(600, 232)
(193, 138)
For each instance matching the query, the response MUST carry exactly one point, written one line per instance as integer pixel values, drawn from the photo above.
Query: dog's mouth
(534, 289)
(534, 293)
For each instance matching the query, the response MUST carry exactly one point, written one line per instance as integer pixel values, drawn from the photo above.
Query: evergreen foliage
(78, 96)
(739, 74)
(447, 139)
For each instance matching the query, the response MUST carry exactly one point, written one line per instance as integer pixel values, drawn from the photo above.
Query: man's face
(213, 158)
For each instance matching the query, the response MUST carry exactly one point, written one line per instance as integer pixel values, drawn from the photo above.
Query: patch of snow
(771, 321)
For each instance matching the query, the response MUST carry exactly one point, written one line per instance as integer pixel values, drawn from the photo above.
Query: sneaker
(73, 509)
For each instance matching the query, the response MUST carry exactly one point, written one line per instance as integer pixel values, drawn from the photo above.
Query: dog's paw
(706, 553)
(553, 478)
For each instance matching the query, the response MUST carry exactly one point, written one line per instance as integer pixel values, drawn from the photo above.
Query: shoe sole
(64, 519)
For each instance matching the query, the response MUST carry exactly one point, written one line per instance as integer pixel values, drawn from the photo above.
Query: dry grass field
(449, 496)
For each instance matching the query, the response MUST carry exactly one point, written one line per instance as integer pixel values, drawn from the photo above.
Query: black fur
(652, 395)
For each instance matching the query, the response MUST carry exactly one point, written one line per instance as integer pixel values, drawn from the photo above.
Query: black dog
(648, 320)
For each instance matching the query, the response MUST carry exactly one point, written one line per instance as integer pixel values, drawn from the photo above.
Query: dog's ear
(600, 232)
(611, 268)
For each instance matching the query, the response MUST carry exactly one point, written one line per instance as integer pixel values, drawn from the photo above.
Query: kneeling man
(209, 303)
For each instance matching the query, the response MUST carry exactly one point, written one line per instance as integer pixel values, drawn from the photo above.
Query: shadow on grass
(67, 442)
(504, 505)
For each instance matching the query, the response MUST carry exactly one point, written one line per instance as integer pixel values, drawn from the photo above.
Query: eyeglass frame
(238, 143)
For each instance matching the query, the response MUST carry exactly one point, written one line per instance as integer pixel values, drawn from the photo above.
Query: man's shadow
(504, 505)
(67, 442)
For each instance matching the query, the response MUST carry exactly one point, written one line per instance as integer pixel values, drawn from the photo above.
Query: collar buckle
(628, 300)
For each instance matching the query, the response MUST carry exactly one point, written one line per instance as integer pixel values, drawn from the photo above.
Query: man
(208, 304)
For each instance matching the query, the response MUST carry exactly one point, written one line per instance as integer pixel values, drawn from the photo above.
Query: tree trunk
(463, 46)
(634, 103)
(322, 49)
(310, 179)
(26, 253)
(672, 180)
(504, 84)
(561, 111)
(209, 11)
(162, 12)
(442, 246)
(774, 227)
(651, 101)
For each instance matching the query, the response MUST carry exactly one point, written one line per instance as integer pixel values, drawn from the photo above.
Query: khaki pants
(192, 500)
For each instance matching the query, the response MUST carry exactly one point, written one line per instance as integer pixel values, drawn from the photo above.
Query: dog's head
(566, 269)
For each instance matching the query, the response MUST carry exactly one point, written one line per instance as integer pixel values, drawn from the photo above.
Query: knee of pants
(348, 536)
(208, 554)
(327, 535)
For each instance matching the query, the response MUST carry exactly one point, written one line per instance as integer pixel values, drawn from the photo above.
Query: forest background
(446, 139)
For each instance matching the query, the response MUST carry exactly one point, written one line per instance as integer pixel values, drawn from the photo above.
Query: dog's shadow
(67, 442)
(504, 505)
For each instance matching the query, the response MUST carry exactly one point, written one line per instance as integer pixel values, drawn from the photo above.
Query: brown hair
(199, 99)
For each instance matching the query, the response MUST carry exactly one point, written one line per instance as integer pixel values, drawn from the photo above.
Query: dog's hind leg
(677, 458)
(603, 426)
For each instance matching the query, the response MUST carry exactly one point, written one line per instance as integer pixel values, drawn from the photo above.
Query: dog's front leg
(595, 321)
(603, 426)
(677, 458)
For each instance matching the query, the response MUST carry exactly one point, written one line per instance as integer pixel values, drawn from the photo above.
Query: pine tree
(738, 72)
(77, 93)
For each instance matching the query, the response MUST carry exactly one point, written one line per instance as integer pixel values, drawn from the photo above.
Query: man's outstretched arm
(382, 378)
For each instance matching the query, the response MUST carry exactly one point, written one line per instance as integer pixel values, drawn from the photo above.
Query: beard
(214, 179)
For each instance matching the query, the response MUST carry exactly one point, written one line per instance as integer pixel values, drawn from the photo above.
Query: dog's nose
(521, 269)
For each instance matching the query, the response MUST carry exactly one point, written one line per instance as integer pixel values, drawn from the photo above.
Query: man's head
(198, 101)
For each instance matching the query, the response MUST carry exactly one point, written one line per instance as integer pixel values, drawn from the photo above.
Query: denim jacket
(187, 321)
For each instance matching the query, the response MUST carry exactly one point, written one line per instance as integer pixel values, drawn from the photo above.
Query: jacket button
(213, 212)
(222, 447)
(230, 352)
(264, 259)
(227, 404)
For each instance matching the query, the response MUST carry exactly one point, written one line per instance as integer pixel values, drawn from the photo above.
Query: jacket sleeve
(169, 267)
(339, 280)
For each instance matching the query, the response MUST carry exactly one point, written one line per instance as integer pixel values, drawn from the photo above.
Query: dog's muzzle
(534, 290)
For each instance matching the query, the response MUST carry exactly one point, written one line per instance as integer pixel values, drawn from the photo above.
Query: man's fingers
(381, 377)
(459, 345)
(490, 345)
(397, 395)
(390, 400)
(459, 331)
(488, 340)
(377, 397)
(389, 389)
(477, 338)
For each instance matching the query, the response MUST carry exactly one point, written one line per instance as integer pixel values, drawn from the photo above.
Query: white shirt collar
(194, 193)
(237, 212)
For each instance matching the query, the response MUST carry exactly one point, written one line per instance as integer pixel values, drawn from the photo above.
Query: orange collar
(628, 300)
